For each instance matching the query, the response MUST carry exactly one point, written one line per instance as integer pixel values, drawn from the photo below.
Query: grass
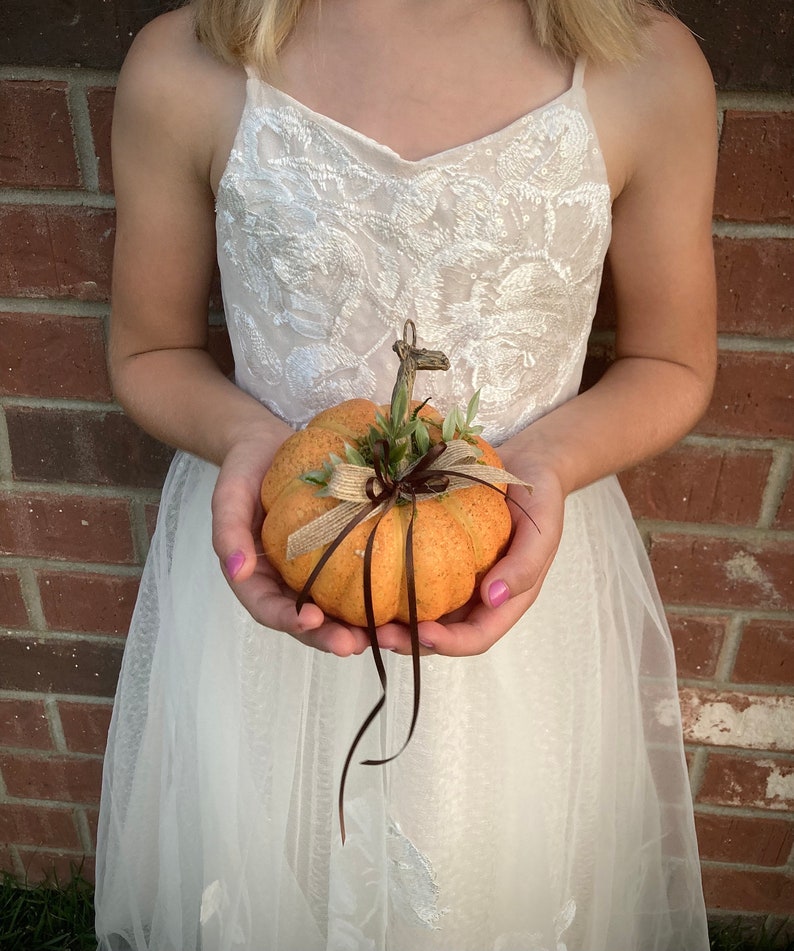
(51, 916)
(58, 916)
(739, 936)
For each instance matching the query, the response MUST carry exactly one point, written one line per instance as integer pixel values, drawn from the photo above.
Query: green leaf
(353, 456)
(473, 407)
(399, 405)
(422, 439)
(448, 427)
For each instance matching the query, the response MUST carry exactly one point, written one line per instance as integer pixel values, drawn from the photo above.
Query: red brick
(53, 356)
(100, 109)
(748, 890)
(785, 512)
(45, 866)
(695, 484)
(59, 778)
(739, 719)
(753, 396)
(764, 143)
(13, 612)
(77, 528)
(750, 782)
(86, 668)
(697, 642)
(766, 653)
(88, 603)
(755, 284)
(24, 724)
(45, 826)
(694, 569)
(744, 840)
(36, 142)
(85, 726)
(56, 251)
(94, 448)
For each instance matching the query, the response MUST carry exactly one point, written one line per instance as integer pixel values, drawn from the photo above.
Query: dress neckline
(452, 153)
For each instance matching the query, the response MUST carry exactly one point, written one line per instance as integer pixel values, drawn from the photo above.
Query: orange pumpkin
(457, 536)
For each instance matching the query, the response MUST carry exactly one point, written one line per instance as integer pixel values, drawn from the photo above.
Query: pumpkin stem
(413, 358)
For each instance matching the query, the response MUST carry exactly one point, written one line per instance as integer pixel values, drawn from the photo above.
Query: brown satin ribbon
(383, 490)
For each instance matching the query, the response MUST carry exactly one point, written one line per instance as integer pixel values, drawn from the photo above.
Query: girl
(352, 164)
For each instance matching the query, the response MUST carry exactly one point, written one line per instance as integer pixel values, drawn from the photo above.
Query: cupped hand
(236, 525)
(509, 589)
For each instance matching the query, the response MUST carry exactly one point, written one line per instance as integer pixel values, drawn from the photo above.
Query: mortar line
(32, 598)
(55, 308)
(64, 197)
(736, 442)
(83, 699)
(52, 402)
(781, 470)
(83, 829)
(739, 343)
(751, 229)
(83, 137)
(755, 101)
(6, 463)
(697, 770)
(730, 648)
(76, 75)
(718, 531)
(56, 727)
(65, 565)
(140, 531)
(728, 612)
(80, 490)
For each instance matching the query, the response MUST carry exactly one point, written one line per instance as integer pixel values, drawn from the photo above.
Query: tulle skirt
(542, 805)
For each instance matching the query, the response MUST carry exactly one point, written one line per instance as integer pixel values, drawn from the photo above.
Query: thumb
(235, 510)
(524, 565)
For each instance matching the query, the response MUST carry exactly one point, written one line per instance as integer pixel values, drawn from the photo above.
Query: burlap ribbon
(456, 467)
(368, 492)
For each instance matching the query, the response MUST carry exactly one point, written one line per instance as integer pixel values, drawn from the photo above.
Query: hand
(511, 586)
(236, 522)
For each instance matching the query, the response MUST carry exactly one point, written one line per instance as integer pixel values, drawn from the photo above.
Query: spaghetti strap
(578, 71)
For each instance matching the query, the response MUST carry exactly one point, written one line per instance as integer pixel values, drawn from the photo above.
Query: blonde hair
(253, 31)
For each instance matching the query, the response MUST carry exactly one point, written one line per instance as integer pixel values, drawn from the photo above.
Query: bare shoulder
(171, 86)
(673, 74)
(668, 95)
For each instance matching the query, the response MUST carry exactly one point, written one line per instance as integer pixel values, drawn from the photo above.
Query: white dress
(543, 803)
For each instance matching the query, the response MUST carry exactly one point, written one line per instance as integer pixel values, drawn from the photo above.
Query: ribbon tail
(369, 610)
(508, 498)
(413, 623)
(362, 515)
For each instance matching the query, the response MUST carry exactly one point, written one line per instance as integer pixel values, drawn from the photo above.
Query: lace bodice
(328, 241)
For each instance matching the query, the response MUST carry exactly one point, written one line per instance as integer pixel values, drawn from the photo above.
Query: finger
(234, 509)
(479, 631)
(525, 563)
(268, 605)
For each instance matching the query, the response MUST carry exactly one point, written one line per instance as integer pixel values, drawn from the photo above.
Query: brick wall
(79, 483)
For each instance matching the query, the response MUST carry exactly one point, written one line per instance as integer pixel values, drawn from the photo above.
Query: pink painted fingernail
(498, 593)
(234, 563)
(425, 643)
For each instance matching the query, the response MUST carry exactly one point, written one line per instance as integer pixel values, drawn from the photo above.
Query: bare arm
(171, 100)
(662, 263)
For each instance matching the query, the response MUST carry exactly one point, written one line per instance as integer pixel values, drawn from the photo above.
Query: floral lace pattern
(328, 241)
